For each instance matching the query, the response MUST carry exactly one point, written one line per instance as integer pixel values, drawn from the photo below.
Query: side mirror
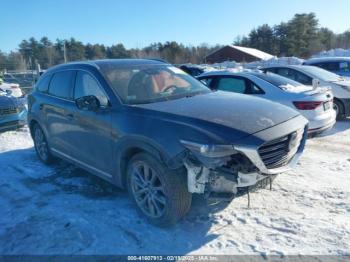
(89, 103)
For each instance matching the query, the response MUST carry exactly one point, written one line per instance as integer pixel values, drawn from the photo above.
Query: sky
(138, 23)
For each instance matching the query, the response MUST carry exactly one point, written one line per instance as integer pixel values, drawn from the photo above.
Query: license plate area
(327, 105)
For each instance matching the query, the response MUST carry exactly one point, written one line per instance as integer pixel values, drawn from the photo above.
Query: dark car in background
(149, 127)
(13, 112)
(337, 65)
(192, 70)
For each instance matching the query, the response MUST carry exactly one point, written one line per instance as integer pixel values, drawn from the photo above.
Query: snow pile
(275, 61)
(61, 209)
(226, 64)
(258, 64)
(339, 52)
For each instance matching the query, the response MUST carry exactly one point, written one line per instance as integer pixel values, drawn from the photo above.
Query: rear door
(93, 143)
(58, 109)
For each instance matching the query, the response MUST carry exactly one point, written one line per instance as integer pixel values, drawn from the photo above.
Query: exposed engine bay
(222, 175)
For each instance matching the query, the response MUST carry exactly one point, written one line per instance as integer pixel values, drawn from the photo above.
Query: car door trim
(81, 163)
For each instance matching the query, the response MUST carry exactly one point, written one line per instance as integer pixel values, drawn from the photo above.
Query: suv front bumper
(226, 180)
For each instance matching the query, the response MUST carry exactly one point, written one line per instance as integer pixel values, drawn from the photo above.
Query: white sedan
(305, 74)
(314, 104)
(12, 89)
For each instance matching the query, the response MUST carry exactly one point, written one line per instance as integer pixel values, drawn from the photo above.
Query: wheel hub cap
(148, 190)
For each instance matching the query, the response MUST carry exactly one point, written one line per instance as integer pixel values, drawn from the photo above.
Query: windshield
(277, 80)
(141, 84)
(322, 74)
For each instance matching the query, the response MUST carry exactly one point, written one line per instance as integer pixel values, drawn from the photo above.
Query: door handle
(70, 116)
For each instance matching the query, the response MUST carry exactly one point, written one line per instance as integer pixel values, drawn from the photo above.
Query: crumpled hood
(245, 113)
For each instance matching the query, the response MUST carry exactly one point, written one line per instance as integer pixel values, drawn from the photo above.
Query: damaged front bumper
(247, 164)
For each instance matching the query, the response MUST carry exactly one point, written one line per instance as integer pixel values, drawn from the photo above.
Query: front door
(93, 143)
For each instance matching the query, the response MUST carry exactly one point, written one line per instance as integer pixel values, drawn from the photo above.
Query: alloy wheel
(148, 190)
(40, 144)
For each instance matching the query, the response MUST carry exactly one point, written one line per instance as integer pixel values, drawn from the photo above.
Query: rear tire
(41, 146)
(339, 108)
(159, 193)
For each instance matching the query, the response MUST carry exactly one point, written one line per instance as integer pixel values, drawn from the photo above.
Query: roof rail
(158, 59)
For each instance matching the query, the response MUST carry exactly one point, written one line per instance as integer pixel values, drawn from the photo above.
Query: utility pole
(64, 52)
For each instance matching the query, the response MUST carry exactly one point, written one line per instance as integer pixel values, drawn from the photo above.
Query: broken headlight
(210, 156)
(207, 150)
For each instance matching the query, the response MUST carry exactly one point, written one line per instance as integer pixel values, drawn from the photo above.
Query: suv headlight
(209, 150)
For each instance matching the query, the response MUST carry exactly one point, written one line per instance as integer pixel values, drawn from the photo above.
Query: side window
(61, 84)
(254, 89)
(285, 72)
(344, 67)
(207, 81)
(272, 70)
(236, 85)
(302, 78)
(322, 65)
(86, 85)
(43, 84)
(331, 66)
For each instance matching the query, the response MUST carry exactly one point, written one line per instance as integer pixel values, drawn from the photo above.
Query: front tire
(159, 193)
(41, 145)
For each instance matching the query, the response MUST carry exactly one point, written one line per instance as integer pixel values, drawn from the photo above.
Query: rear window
(277, 80)
(61, 84)
(43, 84)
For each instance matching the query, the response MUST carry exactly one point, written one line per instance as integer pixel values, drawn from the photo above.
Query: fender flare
(128, 146)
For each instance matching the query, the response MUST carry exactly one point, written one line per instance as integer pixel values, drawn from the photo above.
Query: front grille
(9, 111)
(280, 151)
(10, 124)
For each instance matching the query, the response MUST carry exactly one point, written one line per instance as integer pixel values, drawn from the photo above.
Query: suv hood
(245, 113)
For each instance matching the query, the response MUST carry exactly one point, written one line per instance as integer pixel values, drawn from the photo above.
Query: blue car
(147, 126)
(337, 65)
(13, 113)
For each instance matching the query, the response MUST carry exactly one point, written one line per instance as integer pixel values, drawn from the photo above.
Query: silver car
(314, 104)
(308, 74)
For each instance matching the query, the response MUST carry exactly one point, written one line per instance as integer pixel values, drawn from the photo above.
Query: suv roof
(285, 66)
(327, 59)
(98, 63)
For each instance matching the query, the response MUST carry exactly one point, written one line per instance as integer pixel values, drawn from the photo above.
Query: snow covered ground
(63, 210)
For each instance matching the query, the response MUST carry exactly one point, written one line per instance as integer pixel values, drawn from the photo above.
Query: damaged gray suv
(149, 127)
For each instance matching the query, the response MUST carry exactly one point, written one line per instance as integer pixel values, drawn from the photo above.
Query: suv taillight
(307, 105)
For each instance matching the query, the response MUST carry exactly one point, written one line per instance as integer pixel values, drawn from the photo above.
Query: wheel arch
(131, 146)
(343, 108)
(31, 125)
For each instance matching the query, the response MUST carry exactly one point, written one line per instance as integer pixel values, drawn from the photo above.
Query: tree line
(301, 36)
(47, 53)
